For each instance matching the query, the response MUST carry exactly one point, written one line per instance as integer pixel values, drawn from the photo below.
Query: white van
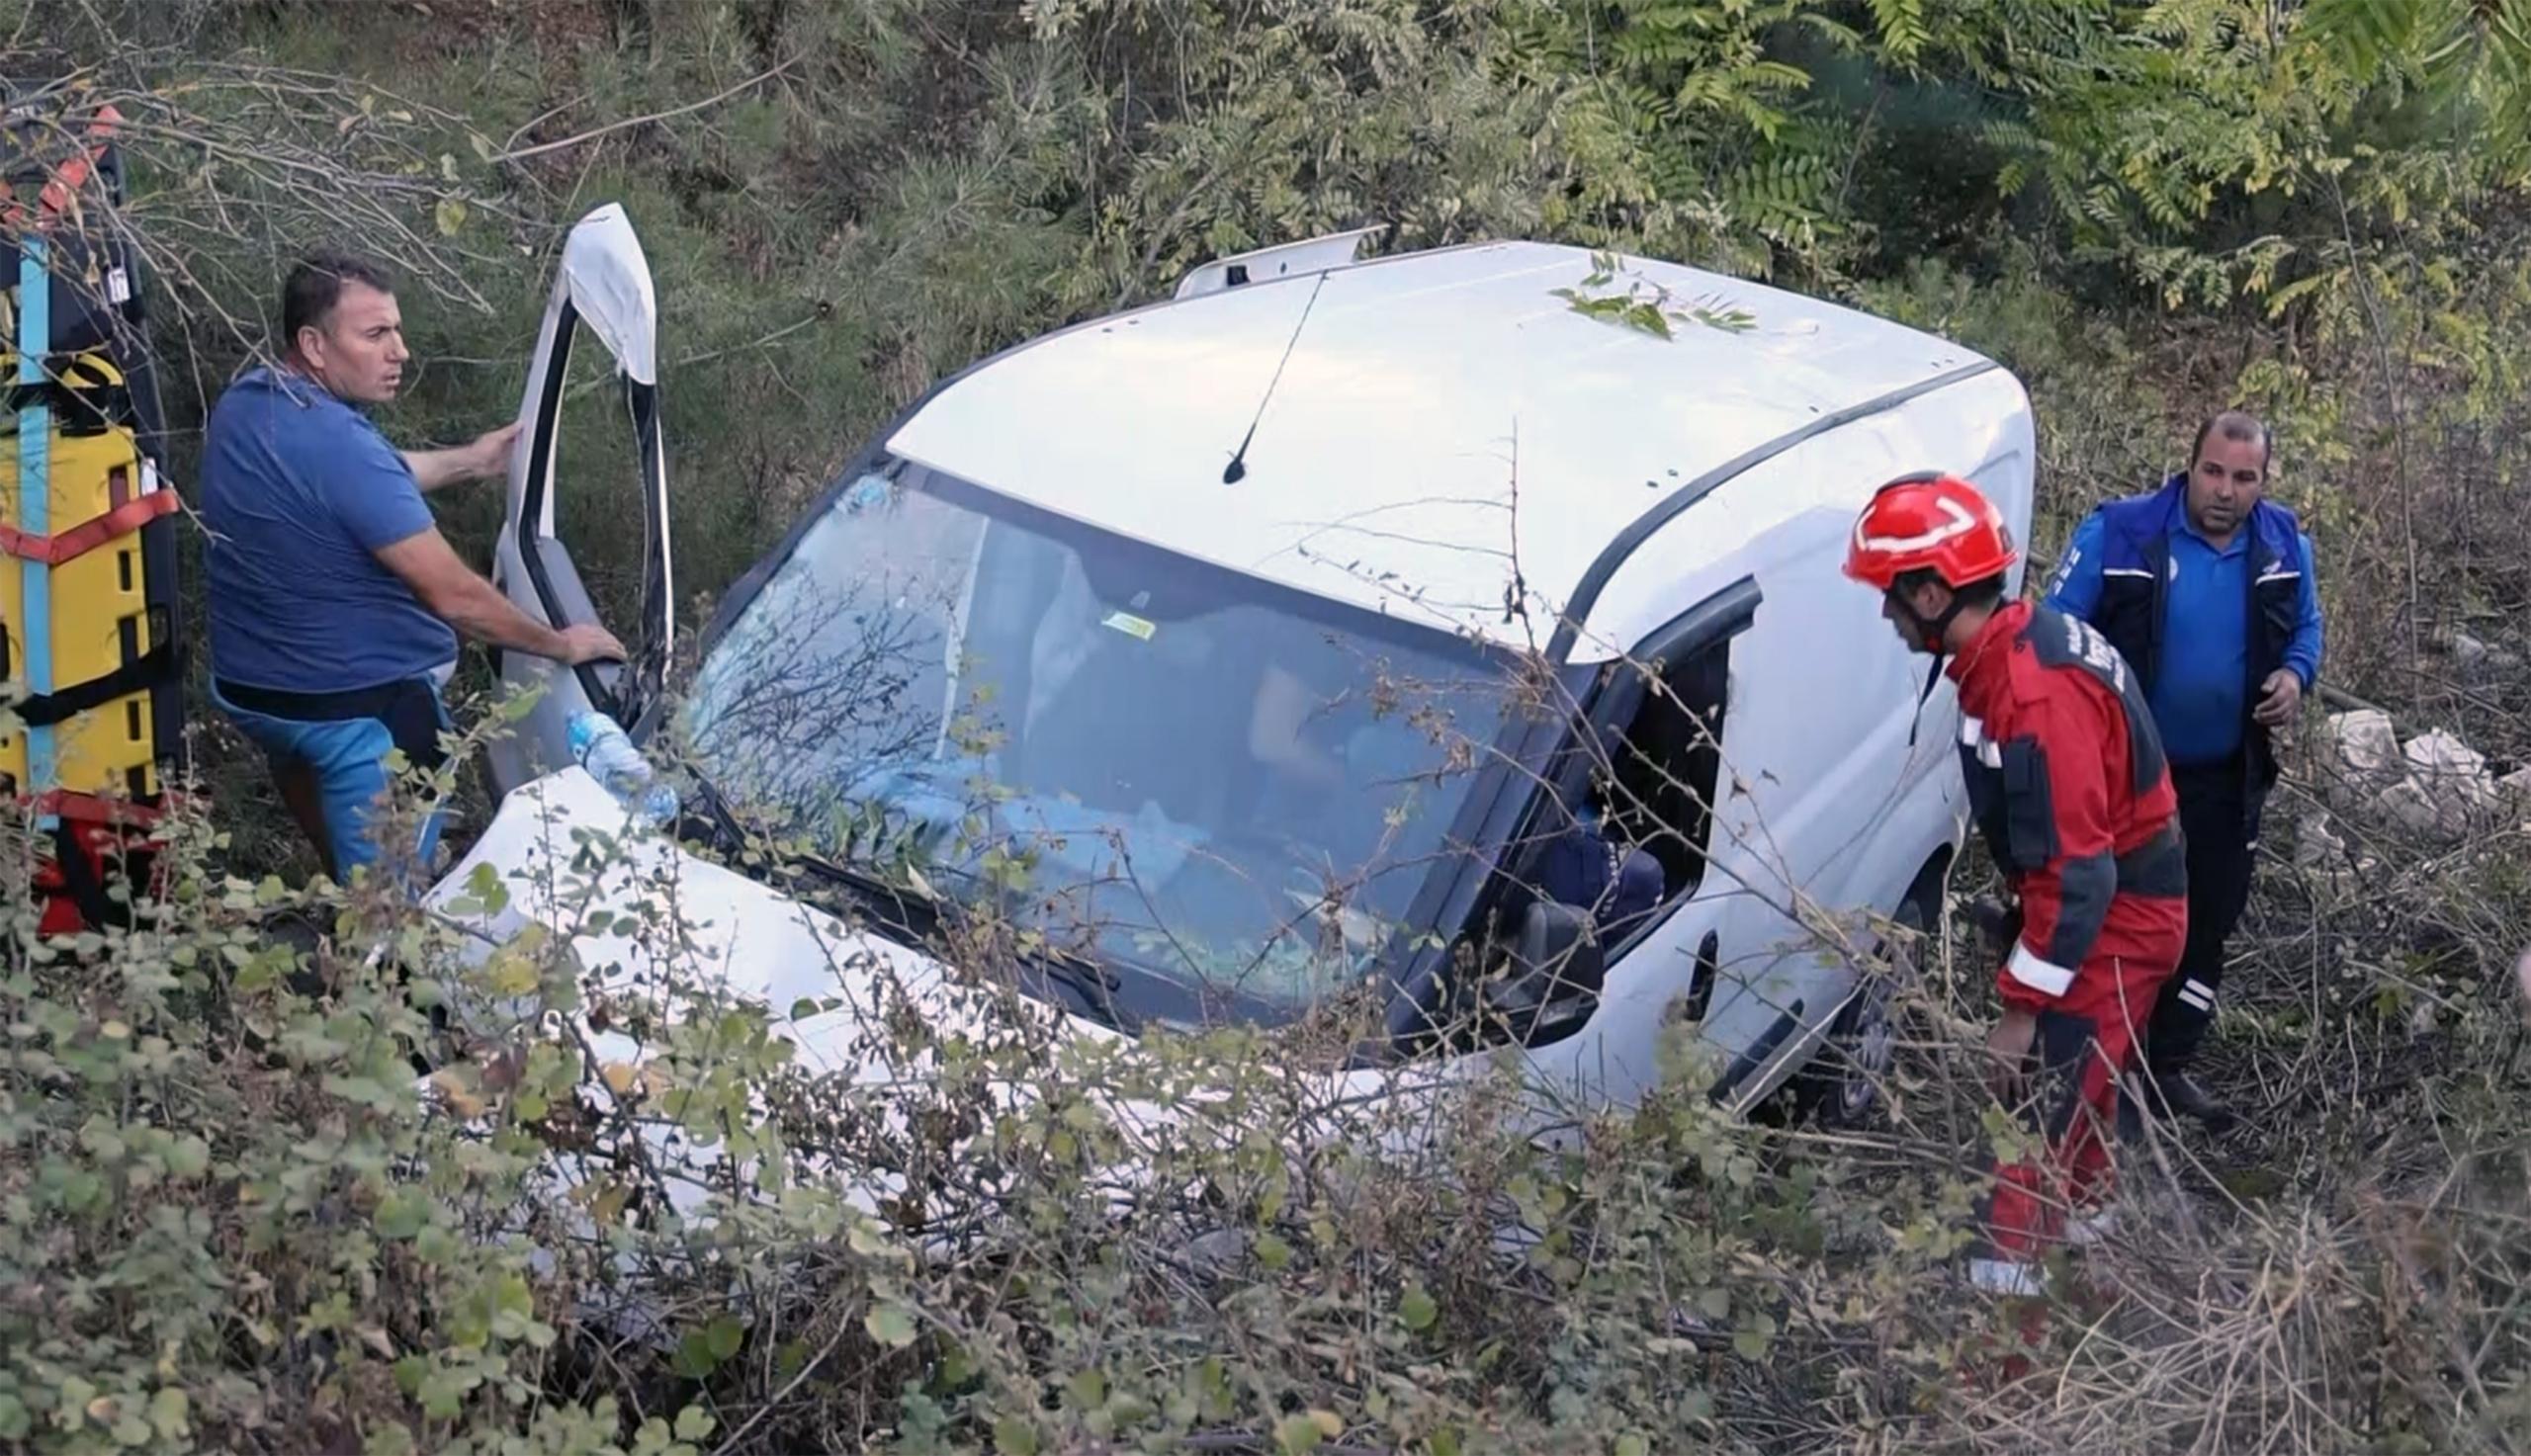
(1242, 644)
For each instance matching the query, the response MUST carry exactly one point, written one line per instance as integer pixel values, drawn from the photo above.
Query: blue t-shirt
(299, 493)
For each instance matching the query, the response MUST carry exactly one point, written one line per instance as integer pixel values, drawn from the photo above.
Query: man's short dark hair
(315, 285)
(2236, 424)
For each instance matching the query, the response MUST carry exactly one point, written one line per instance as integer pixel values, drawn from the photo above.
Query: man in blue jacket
(2208, 589)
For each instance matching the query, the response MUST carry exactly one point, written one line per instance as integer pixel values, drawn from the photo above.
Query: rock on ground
(2435, 786)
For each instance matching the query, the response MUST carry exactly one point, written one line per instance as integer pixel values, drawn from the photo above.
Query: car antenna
(1237, 469)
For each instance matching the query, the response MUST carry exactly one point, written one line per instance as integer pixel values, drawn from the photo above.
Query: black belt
(408, 706)
(375, 701)
(2158, 867)
(2214, 771)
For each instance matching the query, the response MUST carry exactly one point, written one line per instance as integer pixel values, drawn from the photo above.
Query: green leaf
(402, 1214)
(890, 1327)
(1752, 1340)
(869, 1240)
(1294, 1434)
(1089, 1388)
(1014, 1436)
(693, 1424)
(14, 1420)
(1272, 1252)
(1416, 1311)
(1632, 1444)
(188, 1157)
(723, 1335)
(450, 215)
(82, 1190)
(694, 1358)
(169, 1411)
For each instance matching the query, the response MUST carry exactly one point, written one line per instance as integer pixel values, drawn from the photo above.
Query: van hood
(672, 945)
(656, 929)
(667, 931)
(648, 919)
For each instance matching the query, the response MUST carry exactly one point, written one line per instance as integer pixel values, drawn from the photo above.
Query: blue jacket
(2202, 627)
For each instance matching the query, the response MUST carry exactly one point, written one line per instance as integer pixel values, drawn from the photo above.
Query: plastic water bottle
(599, 746)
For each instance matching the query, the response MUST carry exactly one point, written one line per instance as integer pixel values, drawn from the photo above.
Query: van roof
(1429, 429)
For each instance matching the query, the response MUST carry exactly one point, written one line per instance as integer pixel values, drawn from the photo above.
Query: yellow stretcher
(89, 637)
(102, 629)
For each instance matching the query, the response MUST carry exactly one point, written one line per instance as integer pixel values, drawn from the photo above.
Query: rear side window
(1626, 833)
(1663, 769)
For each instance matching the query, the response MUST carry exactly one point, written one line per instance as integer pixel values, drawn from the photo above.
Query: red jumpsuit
(2067, 778)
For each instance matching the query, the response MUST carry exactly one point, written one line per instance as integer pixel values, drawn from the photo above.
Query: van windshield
(1225, 791)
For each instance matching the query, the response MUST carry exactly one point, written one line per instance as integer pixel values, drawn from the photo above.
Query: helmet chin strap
(1931, 632)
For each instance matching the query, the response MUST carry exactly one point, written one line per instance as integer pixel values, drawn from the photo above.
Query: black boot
(2182, 1095)
(2131, 1112)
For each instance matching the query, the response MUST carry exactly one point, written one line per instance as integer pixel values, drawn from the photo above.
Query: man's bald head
(2228, 473)
(2236, 425)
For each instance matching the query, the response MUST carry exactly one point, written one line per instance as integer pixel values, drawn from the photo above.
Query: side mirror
(1553, 982)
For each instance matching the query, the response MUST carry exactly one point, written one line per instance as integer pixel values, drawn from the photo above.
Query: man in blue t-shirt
(2208, 589)
(336, 603)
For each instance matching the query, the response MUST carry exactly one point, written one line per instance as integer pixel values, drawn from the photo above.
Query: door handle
(1701, 981)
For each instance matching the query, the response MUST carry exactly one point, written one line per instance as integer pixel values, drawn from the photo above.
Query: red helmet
(1936, 523)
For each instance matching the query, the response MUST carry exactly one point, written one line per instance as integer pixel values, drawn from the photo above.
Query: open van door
(604, 286)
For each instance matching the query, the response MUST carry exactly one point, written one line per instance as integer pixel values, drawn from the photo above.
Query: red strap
(90, 534)
(89, 809)
(67, 179)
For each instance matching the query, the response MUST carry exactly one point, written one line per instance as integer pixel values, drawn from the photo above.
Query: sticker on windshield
(1130, 625)
(866, 492)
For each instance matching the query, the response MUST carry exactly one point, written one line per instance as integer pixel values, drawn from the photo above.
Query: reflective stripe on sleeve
(2043, 976)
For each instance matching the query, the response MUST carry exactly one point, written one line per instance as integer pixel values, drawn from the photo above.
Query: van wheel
(1841, 1086)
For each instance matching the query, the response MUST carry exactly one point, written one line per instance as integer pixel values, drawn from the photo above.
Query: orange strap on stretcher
(88, 535)
(66, 181)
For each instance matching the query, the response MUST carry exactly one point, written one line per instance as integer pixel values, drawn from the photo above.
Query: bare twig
(750, 83)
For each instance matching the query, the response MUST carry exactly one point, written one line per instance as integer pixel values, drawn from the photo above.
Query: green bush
(622, 1213)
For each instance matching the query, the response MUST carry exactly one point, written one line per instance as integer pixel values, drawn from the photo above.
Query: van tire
(1840, 1088)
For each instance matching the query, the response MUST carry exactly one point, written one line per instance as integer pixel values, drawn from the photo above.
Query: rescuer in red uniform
(2066, 779)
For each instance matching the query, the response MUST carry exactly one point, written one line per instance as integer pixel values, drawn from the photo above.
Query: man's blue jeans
(341, 740)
